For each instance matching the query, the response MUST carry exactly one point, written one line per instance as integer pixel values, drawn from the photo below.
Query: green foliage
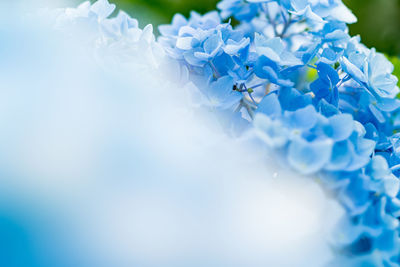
(378, 24)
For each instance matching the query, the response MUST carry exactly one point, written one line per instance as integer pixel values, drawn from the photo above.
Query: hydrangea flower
(240, 9)
(211, 51)
(118, 40)
(314, 142)
(373, 71)
(334, 125)
(323, 102)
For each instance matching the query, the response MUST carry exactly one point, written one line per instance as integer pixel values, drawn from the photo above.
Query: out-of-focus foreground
(104, 165)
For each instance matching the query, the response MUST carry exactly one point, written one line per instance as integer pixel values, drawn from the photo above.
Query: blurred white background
(114, 169)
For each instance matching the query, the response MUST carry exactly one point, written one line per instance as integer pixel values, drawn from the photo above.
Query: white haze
(114, 169)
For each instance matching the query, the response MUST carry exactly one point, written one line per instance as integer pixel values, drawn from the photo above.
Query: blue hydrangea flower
(314, 142)
(316, 96)
(102, 9)
(372, 71)
(290, 73)
(220, 93)
(325, 87)
(115, 40)
(240, 9)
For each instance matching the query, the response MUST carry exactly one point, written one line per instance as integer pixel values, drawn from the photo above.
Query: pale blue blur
(109, 168)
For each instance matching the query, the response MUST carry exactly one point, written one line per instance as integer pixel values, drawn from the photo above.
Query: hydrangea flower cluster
(116, 41)
(290, 72)
(324, 103)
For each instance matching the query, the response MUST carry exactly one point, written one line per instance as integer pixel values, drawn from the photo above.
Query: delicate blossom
(290, 74)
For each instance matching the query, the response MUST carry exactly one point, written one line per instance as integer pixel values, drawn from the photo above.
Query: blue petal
(103, 8)
(272, 132)
(388, 104)
(354, 71)
(327, 109)
(212, 44)
(309, 157)
(291, 99)
(270, 106)
(304, 118)
(184, 43)
(378, 168)
(391, 186)
(340, 126)
(221, 93)
(193, 60)
(341, 156)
